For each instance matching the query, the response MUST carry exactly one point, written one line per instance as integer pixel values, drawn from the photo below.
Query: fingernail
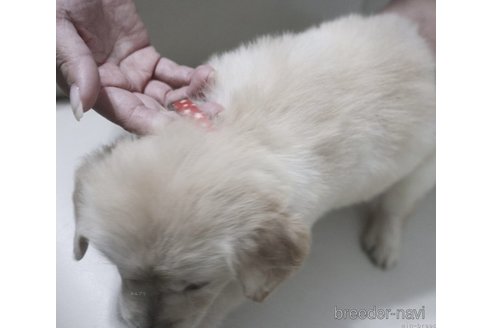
(75, 102)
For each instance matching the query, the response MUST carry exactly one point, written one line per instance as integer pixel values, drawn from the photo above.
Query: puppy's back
(358, 93)
(321, 69)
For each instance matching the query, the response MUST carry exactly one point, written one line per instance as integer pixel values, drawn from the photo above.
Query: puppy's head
(181, 226)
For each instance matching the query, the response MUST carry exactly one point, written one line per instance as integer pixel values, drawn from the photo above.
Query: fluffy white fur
(197, 220)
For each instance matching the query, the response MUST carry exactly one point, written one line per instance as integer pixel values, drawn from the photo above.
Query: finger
(202, 77)
(76, 69)
(172, 74)
(181, 93)
(130, 111)
(175, 95)
(157, 90)
(149, 102)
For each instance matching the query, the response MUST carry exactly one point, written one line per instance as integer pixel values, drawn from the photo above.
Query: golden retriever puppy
(196, 220)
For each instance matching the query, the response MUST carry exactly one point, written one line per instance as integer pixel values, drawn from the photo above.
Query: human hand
(104, 60)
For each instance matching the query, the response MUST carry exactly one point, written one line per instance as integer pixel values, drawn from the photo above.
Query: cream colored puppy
(196, 220)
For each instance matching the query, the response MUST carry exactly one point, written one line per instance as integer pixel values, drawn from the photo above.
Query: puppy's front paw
(381, 241)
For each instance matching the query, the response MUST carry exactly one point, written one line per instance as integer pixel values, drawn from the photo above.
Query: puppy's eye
(194, 287)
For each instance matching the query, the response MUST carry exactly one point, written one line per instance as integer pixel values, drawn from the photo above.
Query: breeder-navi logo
(379, 314)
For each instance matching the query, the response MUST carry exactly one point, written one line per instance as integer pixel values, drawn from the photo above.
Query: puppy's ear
(80, 245)
(80, 242)
(273, 251)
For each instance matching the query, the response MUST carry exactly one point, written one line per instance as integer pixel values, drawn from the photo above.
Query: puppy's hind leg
(382, 236)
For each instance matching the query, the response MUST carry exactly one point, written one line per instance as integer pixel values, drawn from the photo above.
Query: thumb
(76, 70)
